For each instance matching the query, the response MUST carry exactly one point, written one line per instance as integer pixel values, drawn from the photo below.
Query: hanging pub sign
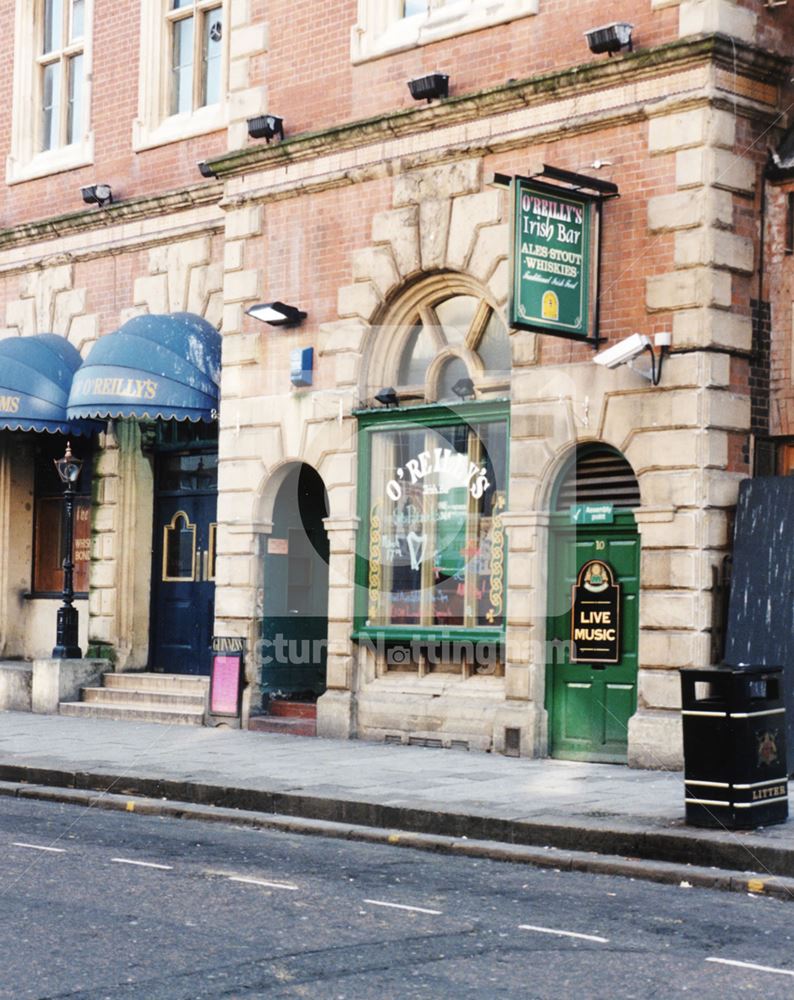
(595, 615)
(553, 263)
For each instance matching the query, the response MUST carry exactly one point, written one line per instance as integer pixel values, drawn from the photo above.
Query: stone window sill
(53, 161)
(455, 18)
(179, 127)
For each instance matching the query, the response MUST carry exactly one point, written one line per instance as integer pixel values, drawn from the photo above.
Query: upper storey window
(61, 72)
(196, 37)
(386, 26)
(51, 78)
(184, 57)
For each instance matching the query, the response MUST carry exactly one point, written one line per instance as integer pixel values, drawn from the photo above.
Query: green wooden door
(590, 704)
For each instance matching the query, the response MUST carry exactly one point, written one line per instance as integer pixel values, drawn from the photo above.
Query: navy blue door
(183, 569)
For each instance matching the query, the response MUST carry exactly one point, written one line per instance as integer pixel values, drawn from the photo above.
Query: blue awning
(35, 378)
(152, 366)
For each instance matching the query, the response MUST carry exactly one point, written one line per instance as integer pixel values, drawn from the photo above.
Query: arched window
(447, 332)
(434, 481)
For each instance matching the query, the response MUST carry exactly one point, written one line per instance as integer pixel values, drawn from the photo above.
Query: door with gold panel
(183, 569)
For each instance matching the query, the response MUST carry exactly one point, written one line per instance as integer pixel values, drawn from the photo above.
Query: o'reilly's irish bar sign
(595, 615)
(551, 260)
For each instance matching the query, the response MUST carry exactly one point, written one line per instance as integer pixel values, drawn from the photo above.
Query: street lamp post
(66, 641)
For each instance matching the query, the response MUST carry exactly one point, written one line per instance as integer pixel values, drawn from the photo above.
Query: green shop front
(431, 563)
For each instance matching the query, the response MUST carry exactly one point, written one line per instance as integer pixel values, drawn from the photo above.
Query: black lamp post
(66, 640)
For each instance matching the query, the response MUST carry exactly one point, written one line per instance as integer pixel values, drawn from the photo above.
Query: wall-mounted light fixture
(205, 169)
(97, 194)
(277, 314)
(266, 127)
(610, 37)
(625, 351)
(426, 88)
(464, 388)
(387, 397)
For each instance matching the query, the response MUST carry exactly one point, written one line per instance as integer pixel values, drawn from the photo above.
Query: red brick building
(428, 614)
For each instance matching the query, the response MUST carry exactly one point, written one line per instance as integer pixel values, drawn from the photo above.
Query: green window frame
(450, 578)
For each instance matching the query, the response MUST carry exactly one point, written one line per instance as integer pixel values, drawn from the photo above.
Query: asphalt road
(127, 907)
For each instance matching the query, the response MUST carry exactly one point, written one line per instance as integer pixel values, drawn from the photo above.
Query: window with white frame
(183, 70)
(51, 79)
(195, 35)
(61, 73)
(386, 26)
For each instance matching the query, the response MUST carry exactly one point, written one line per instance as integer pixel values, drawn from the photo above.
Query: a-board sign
(595, 615)
(226, 684)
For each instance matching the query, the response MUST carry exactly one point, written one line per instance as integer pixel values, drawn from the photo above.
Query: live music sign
(595, 618)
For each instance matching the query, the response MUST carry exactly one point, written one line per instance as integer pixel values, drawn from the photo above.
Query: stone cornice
(132, 210)
(740, 58)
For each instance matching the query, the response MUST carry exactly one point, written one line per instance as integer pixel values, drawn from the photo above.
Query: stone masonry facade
(371, 199)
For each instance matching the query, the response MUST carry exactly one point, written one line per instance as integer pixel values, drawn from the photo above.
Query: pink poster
(225, 686)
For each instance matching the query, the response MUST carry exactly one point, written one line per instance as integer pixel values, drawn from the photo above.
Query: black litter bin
(735, 773)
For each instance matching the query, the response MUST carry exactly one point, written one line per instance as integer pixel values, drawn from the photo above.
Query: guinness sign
(595, 618)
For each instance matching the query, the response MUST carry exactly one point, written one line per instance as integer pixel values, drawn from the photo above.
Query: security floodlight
(266, 127)
(277, 314)
(205, 169)
(387, 397)
(464, 388)
(627, 350)
(97, 194)
(425, 88)
(610, 37)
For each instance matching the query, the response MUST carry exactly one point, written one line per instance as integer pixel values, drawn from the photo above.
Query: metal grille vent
(599, 477)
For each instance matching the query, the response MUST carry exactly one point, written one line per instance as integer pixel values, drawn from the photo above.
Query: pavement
(596, 817)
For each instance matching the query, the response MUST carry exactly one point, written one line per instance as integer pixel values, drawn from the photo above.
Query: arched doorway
(295, 602)
(593, 598)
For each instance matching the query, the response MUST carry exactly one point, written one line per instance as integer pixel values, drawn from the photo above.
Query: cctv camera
(623, 352)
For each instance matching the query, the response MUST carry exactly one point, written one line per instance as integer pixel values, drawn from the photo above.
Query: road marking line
(570, 934)
(142, 864)
(752, 965)
(258, 881)
(400, 906)
(38, 847)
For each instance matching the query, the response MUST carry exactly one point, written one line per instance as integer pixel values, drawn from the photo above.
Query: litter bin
(734, 721)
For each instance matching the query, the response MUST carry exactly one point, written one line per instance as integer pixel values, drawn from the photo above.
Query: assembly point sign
(551, 260)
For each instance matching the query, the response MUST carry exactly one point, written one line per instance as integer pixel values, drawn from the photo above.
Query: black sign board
(228, 644)
(760, 630)
(595, 615)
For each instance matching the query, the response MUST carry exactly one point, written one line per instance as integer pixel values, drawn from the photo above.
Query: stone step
(292, 709)
(182, 683)
(289, 727)
(132, 713)
(142, 697)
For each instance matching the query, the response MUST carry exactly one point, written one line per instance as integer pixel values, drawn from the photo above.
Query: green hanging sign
(551, 260)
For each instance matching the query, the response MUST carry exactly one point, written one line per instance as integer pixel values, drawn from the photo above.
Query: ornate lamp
(66, 641)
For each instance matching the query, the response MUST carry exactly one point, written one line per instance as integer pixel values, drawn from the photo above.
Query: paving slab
(566, 804)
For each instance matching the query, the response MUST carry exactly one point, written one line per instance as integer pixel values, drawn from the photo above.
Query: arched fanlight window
(451, 336)
(597, 474)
